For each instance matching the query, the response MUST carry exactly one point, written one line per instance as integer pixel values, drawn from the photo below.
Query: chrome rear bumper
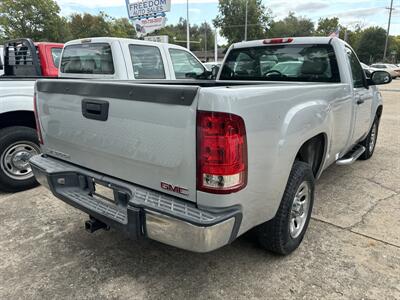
(138, 211)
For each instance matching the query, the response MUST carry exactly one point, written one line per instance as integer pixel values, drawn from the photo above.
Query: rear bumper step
(138, 211)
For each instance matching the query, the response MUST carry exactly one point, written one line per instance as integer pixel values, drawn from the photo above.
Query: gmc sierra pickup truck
(197, 164)
(93, 58)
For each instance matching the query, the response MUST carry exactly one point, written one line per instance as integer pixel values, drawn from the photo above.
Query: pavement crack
(368, 211)
(349, 229)
(378, 183)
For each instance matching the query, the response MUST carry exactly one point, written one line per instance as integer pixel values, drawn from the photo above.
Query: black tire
(10, 138)
(275, 235)
(370, 141)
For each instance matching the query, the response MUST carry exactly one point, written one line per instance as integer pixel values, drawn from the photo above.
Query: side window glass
(185, 64)
(147, 62)
(56, 54)
(356, 69)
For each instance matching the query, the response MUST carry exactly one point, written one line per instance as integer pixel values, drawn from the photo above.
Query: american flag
(335, 33)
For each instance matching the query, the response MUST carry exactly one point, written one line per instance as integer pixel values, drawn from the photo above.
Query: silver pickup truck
(195, 164)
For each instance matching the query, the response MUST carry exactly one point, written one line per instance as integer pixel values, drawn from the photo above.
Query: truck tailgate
(140, 133)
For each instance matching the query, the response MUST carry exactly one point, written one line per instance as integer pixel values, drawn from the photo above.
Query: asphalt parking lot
(351, 250)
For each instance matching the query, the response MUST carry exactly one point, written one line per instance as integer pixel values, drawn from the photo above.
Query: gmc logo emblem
(174, 189)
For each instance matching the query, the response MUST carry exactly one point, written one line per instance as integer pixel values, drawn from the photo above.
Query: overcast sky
(350, 12)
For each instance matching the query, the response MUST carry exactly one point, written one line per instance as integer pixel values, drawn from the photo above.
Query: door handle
(359, 100)
(95, 109)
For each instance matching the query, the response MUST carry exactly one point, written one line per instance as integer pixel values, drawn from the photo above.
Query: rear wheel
(284, 233)
(17, 145)
(370, 141)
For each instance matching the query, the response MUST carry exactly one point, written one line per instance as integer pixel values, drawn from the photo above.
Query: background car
(388, 68)
(210, 65)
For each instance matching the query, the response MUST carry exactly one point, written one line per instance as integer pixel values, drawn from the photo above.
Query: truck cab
(128, 59)
(49, 57)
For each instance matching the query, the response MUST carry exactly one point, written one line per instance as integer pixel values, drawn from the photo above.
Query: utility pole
(187, 26)
(245, 24)
(205, 42)
(387, 33)
(216, 45)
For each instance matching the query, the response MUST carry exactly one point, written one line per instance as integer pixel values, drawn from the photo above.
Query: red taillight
(38, 130)
(278, 41)
(221, 152)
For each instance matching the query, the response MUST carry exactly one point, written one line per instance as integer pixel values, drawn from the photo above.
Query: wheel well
(18, 118)
(312, 152)
(379, 111)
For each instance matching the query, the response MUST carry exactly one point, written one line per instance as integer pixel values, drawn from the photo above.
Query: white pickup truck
(197, 164)
(95, 58)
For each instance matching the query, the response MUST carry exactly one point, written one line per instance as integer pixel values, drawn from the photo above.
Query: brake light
(38, 130)
(221, 152)
(278, 41)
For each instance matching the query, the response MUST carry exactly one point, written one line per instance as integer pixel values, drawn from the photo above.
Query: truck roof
(49, 43)
(124, 40)
(286, 40)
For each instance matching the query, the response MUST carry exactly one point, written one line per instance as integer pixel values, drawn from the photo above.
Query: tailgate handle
(95, 109)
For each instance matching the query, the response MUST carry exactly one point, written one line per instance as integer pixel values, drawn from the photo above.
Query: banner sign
(143, 8)
(148, 25)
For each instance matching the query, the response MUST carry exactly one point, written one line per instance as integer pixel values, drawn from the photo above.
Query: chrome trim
(187, 236)
(354, 156)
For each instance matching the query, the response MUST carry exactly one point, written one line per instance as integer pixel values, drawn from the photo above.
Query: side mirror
(379, 77)
(215, 71)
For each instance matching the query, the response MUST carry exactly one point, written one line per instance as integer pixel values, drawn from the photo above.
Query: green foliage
(37, 19)
(232, 15)
(370, 45)
(177, 35)
(40, 20)
(328, 25)
(87, 25)
(291, 26)
(122, 28)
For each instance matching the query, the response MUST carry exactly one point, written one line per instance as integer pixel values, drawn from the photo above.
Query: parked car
(287, 68)
(388, 68)
(210, 65)
(368, 70)
(195, 164)
(95, 58)
(396, 69)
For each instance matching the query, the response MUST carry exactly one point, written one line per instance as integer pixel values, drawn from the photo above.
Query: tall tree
(37, 19)
(177, 35)
(327, 25)
(371, 44)
(292, 26)
(232, 15)
(122, 28)
(87, 25)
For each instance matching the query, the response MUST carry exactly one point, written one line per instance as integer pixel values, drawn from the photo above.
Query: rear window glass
(313, 63)
(94, 58)
(56, 54)
(147, 62)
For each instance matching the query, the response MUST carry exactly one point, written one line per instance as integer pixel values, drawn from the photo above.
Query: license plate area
(103, 192)
(108, 192)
